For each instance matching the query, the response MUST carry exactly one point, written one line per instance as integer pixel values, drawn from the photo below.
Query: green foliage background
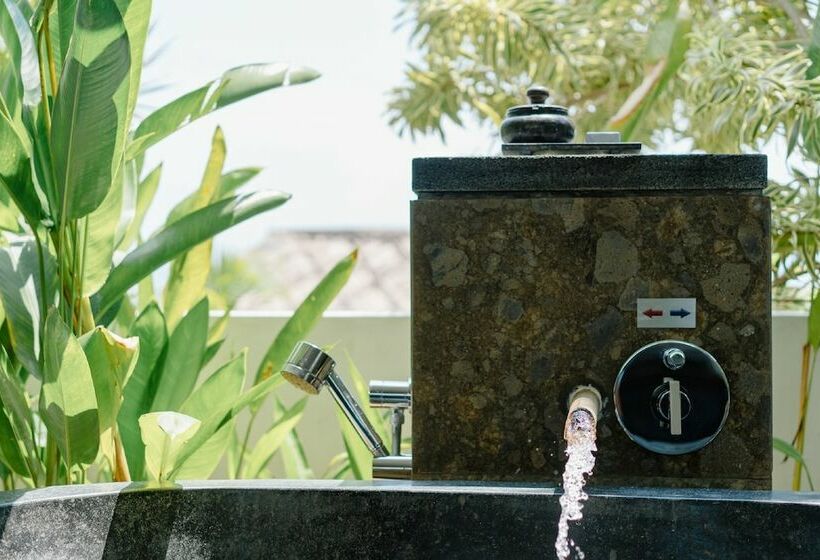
(101, 376)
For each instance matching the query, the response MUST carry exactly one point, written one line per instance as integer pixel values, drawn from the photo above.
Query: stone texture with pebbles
(541, 289)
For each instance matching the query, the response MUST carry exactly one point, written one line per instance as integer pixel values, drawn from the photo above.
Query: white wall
(380, 347)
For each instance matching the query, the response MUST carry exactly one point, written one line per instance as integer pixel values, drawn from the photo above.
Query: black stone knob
(537, 122)
(671, 397)
(537, 95)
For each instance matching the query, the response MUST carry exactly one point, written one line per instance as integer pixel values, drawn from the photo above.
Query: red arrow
(653, 313)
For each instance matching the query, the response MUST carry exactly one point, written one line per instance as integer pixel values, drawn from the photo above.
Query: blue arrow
(680, 313)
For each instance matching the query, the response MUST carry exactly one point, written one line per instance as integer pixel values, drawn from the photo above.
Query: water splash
(580, 436)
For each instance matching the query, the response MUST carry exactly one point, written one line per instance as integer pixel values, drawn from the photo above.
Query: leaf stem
(52, 67)
(245, 441)
(121, 472)
(43, 92)
(42, 266)
(52, 461)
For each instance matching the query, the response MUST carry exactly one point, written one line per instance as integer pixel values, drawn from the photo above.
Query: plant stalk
(806, 374)
(42, 267)
(121, 472)
(245, 441)
(52, 67)
(43, 92)
(52, 461)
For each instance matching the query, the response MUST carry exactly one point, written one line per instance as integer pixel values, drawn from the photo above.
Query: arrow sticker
(666, 313)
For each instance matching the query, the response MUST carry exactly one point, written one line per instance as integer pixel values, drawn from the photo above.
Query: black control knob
(671, 397)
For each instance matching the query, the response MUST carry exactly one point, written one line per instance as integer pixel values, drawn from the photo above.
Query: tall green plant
(73, 192)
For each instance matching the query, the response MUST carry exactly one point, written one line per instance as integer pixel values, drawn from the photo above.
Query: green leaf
(15, 404)
(177, 238)
(789, 451)
(9, 214)
(273, 439)
(15, 172)
(68, 406)
(186, 348)
(141, 387)
(128, 181)
(164, 435)
(667, 53)
(361, 460)
(111, 360)
(189, 272)
(66, 13)
(88, 113)
(136, 15)
(145, 195)
(293, 455)
(35, 199)
(338, 467)
(19, 42)
(225, 384)
(223, 415)
(11, 455)
(814, 323)
(100, 231)
(305, 317)
(814, 49)
(234, 85)
(21, 290)
(228, 184)
(232, 180)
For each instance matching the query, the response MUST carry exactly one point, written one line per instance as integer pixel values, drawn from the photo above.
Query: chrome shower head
(308, 367)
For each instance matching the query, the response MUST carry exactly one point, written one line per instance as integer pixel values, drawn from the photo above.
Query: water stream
(580, 436)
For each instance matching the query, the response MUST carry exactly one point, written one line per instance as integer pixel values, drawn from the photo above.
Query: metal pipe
(356, 415)
(390, 394)
(398, 467)
(583, 397)
(310, 368)
(396, 422)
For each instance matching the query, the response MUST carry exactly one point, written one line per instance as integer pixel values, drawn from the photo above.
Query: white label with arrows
(666, 313)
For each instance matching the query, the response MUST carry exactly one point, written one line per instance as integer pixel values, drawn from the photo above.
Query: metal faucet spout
(310, 368)
(356, 416)
(584, 398)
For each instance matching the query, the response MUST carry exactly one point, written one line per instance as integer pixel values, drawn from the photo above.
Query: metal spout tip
(582, 399)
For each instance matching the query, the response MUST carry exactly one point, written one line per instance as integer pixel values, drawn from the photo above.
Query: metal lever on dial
(674, 406)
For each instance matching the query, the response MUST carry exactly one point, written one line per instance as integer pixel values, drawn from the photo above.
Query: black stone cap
(590, 174)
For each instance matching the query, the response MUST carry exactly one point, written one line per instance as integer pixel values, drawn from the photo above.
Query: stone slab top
(590, 174)
(415, 521)
(78, 492)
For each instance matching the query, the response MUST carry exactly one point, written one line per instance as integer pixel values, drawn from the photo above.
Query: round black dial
(671, 397)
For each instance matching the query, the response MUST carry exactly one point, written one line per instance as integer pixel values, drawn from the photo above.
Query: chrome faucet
(310, 368)
(397, 396)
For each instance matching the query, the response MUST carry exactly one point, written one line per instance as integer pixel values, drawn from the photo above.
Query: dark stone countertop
(333, 519)
(589, 174)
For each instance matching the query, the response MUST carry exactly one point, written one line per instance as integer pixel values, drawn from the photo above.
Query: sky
(327, 142)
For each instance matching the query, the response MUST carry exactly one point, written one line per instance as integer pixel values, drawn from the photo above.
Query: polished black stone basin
(330, 519)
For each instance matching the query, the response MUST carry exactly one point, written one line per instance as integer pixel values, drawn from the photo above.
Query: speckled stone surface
(517, 300)
(594, 173)
(331, 519)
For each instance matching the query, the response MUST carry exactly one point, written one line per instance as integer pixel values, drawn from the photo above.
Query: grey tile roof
(289, 264)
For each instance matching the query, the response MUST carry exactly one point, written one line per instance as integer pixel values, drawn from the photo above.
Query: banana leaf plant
(99, 376)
